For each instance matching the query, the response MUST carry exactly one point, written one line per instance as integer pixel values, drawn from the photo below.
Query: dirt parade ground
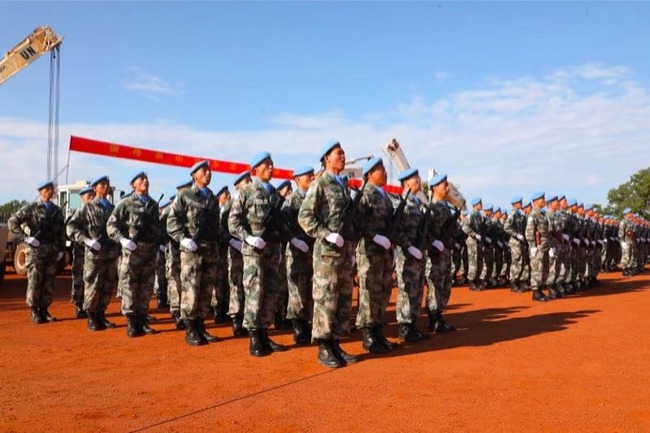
(578, 364)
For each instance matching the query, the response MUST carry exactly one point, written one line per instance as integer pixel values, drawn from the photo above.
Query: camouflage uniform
(626, 233)
(514, 227)
(472, 227)
(221, 294)
(77, 271)
(555, 247)
(564, 256)
(537, 237)
(161, 287)
(235, 268)
(439, 277)
(487, 232)
(45, 223)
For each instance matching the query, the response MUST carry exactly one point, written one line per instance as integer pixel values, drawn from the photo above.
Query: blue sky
(507, 98)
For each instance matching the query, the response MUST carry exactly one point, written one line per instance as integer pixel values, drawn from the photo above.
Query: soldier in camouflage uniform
(537, 238)
(77, 268)
(320, 216)
(193, 222)
(411, 259)
(488, 234)
(299, 254)
(284, 189)
(236, 264)
(555, 247)
(221, 294)
(88, 227)
(45, 238)
(505, 247)
(473, 226)
(515, 229)
(161, 285)
(261, 251)
(626, 231)
(135, 224)
(440, 243)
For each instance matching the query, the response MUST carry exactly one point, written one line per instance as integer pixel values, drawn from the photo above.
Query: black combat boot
(143, 323)
(301, 332)
(132, 326)
(221, 315)
(79, 311)
(36, 316)
(326, 355)
(442, 326)
(514, 286)
(268, 344)
(178, 321)
(379, 333)
(92, 322)
(341, 354)
(204, 333)
(255, 346)
(237, 326)
(553, 293)
(192, 335)
(538, 295)
(46, 315)
(100, 317)
(281, 322)
(161, 300)
(475, 286)
(405, 334)
(370, 342)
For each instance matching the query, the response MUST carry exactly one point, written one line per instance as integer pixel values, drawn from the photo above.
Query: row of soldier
(323, 230)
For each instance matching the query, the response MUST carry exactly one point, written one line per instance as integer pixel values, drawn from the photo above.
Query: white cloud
(139, 80)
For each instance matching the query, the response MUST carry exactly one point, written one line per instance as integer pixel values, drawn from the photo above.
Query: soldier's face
(87, 197)
(141, 185)
(202, 177)
(335, 160)
(414, 184)
(46, 193)
(102, 188)
(378, 176)
(304, 181)
(265, 170)
(441, 190)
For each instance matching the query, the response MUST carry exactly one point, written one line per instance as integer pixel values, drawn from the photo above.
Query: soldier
(473, 227)
(440, 236)
(325, 215)
(221, 293)
(537, 238)
(193, 222)
(555, 246)
(515, 228)
(284, 189)
(135, 224)
(40, 224)
(410, 263)
(88, 227)
(261, 251)
(236, 264)
(161, 285)
(626, 230)
(299, 258)
(77, 268)
(487, 232)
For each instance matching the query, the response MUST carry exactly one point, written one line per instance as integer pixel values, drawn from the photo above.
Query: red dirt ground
(578, 364)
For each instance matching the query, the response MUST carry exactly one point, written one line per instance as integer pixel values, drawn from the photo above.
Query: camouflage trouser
(488, 263)
(594, 266)
(456, 262)
(236, 281)
(375, 276)
(554, 264)
(578, 263)
(410, 281)
(261, 283)
(538, 269)
(221, 293)
(198, 277)
(526, 270)
(507, 259)
(77, 269)
(332, 293)
(565, 270)
(627, 254)
(439, 280)
(100, 278)
(299, 279)
(41, 272)
(498, 261)
(136, 279)
(475, 259)
(283, 288)
(173, 271)
(160, 286)
(589, 261)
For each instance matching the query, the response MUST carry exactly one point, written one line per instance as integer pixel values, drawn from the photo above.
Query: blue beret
(370, 164)
(141, 174)
(475, 201)
(537, 195)
(327, 148)
(572, 202)
(241, 177)
(221, 191)
(100, 179)
(589, 206)
(561, 197)
(527, 204)
(85, 190)
(303, 169)
(488, 206)
(497, 209)
(516, 199)
(437, 179)
(199, 165)
(626, 211)
(409, 172)
(45, 184)
(184, 184)
(283, 184)
(258, 158)
(551, 198)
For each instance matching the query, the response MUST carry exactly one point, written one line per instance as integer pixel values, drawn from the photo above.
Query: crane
(40, 41)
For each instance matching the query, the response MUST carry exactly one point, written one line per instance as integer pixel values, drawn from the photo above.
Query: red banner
(96, 147)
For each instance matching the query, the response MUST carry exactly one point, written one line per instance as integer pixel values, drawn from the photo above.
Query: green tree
(7, 209)
(634, 194)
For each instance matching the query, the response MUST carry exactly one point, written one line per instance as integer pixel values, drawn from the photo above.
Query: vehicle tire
(20, 259)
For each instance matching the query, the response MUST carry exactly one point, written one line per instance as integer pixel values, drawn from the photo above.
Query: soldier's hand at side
(381, 241)
(551, 252)
(488, 240)
(256, 241)
(33, 242)
(93, 244)
(236, 244)
(300, 244)
(189, 244)
(438, 245)
(565, 236)
(128, 244)
(520, 237)
(336, 239)
(477, 237)
(576, 241)
(59, 256)
(415, 252)
(163, 248)
(533, 251)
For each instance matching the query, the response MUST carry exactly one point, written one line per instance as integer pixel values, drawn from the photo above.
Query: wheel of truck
(20, 259)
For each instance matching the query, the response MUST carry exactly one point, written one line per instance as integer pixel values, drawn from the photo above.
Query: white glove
(500, 244)
(576, 241)
(163, 248)
(336, 239)
(565, 236)
(533, 251)
(236, 244)
(477, 237)
(438, 245)
(520, 236)
(381, 241)
(59, 256)
(457, 245)
(33, 242)
(551, 252)
(93, 244)
(189, 244)
(256, 241)
(300, 244)
(600, 241)
(415, 252)
(128, 244)
(593, 243)
(488, 240)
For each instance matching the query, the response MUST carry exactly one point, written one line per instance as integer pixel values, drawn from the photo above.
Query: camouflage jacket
(554, 227)
(412, 222)
(89, 222)
(441, 227)
(537, 230)
(194, 216)
(44, 224)
(290, 211)
(473, 225)
(373, 218)
(515, 224)
(626, 230)
(135, 220)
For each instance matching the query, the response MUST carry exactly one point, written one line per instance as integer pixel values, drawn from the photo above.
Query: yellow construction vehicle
(42, 40)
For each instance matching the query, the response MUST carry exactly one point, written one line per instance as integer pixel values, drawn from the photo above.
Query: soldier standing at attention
(472, 226)
(626, 232)
(193, 222)
(411, 257)
(135, 224)
(45, 240)
(320, 216)
(221, 294)
(487, 233)
(161, 285)
(77, 268)
(261, 251)
(537, 237)
(284, 189)
(441, 244)
(88, 227)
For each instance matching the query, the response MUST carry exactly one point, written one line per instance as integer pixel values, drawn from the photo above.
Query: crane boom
(40, 41)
